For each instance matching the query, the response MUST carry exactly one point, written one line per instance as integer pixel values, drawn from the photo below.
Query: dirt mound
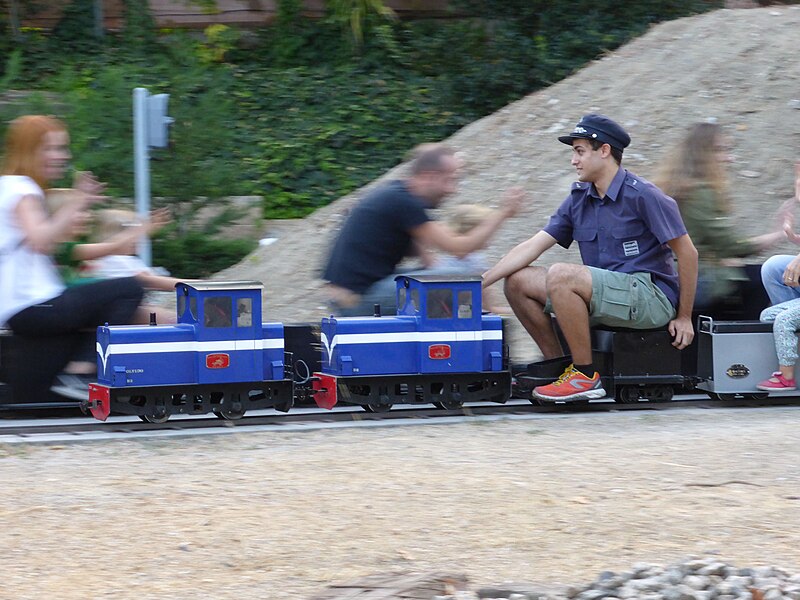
(740, 67)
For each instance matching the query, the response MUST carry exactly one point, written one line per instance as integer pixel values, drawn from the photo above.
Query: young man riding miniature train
(627, 230)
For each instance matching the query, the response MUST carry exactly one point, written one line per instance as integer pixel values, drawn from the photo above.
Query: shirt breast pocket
(584, 234)
(628, 239)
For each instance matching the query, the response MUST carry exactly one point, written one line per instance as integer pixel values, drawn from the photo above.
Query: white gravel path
(282, 515)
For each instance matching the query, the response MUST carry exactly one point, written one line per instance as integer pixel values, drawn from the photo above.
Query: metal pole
(99, 25)
(141, 166)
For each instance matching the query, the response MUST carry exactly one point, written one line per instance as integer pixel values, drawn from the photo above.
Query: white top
(118, 265)
(26, 277)
(474, 263)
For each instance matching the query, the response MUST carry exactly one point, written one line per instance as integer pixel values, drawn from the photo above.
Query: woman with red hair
(46, 317)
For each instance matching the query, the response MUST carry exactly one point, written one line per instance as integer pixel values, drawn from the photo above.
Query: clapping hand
(512, 201)
(158, 218)
(93, 189)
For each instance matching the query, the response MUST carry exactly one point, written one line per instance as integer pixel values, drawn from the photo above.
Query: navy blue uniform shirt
(626, 231)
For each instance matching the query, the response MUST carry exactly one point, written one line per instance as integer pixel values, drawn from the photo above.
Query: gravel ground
(555, 499)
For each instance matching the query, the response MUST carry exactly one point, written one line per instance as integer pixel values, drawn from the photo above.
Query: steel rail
(79, 425)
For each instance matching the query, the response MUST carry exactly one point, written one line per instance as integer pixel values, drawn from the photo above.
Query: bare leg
(570, 289)
(526, 291)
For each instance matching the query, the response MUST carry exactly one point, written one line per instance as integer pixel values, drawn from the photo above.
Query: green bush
(198, 255)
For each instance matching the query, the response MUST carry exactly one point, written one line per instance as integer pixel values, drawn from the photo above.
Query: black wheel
(377, 408)
(758, 396)
(231, 410)
(159, 416)
(661, 393)
(722, 397)
(627, 394)
(449, 404)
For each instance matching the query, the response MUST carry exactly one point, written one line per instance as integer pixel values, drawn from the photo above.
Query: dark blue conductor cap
(598, 127)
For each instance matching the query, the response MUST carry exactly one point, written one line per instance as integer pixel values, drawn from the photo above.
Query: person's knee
(513, 285)
(521, 285)
(566, 276)
(774, 267)
(767, 315)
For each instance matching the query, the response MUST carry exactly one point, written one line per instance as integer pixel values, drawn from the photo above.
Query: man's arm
(681, 327)
(436, 235)
(519, 257)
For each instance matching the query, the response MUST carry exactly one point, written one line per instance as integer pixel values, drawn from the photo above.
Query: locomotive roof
(223, 285)
(442, 278)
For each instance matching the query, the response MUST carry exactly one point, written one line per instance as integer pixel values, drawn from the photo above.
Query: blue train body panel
(215, 341)
(439, 329)
(273, 351)
(369, 345)
(141, 355)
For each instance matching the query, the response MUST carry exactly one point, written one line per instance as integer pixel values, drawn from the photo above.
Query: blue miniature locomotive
(438, 349)
(218, 357)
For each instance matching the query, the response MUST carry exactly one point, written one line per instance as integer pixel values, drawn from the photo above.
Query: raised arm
(437, 235)
(125, 241)
(43, 232)
(519, 257)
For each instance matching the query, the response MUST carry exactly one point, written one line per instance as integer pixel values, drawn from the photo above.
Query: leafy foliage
(354, 14)
(199, 255)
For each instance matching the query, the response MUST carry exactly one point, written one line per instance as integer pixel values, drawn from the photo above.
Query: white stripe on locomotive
(409, 336)
(170, 347)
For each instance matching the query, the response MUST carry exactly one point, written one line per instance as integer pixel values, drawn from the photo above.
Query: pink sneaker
(776, 383)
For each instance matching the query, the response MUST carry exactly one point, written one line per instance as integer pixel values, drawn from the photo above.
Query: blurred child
(122, 229)
(463, 219)
(111, 253)
(785, 318)
(70, 265)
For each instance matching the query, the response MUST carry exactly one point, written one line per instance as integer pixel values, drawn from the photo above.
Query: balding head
(434, 172)
(430, 157)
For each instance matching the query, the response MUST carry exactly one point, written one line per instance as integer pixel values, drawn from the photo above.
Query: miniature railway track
(13, 428)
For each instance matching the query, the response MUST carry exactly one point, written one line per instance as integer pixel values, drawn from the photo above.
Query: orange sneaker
(572, 385)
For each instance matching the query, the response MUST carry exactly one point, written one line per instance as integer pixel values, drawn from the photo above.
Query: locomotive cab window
(404, 297)
(244, 312)
(465, 304)
(192, 306)
(218, 311)
(440, 303)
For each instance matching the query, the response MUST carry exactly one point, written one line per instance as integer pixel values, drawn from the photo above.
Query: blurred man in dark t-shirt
(391, 223)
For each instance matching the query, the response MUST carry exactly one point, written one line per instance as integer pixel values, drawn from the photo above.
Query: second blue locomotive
(440, 348)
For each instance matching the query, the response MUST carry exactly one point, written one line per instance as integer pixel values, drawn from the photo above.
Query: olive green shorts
(626, 300)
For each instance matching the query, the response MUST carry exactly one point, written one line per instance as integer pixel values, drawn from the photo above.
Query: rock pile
(692, 579)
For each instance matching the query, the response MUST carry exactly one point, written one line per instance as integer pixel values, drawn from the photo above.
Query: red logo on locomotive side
(439, 352)
(218, 361)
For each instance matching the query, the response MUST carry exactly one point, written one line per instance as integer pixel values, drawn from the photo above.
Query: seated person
(694, 175)
(34, 301)
(112, 252)
(781, 274)
(627, 230)
(390, 223)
